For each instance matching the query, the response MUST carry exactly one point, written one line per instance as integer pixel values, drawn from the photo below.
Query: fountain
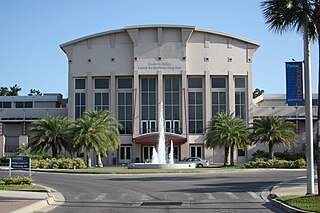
(159, 156)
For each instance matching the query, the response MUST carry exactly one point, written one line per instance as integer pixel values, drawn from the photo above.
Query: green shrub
(17, 180)
(4, 160)
(289, 156)
(261, 163)
(62, 163)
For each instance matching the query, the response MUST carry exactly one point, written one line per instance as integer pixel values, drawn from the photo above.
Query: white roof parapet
(156, 26)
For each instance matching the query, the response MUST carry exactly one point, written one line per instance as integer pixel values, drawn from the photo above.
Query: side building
(195, 73)
(18, 112)
(275, 105)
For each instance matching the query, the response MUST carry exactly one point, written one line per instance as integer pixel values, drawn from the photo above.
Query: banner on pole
(294, 83)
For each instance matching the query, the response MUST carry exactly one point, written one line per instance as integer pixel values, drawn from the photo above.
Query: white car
(198, 161)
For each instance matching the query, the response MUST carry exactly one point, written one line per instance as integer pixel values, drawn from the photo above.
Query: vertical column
(184, 105)
(231, 94)
(2, 141)
(136, 101)
(160, 95)
(23, 138)
(71, 103)
(112, 87)
(89, 92)
(207, 98)
(249, 98)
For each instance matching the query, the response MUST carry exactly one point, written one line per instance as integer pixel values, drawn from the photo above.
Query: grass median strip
(307, 203)
(109, 170)
(20, 187)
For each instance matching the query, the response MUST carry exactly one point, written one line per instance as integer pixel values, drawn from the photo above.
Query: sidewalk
(28, 201)
(294, 187)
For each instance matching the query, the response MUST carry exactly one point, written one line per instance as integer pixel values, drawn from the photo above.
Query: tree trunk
(100, 164)
(54, 148)
(89, 159)
(271, 151)
(232, 156)
(226, 155)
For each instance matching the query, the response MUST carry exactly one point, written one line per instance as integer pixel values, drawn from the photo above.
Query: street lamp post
(308, 107)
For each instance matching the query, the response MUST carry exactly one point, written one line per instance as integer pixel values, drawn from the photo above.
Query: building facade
(18, 112)
(193, 73)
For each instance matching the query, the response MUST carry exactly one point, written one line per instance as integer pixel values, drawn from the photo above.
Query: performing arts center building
(133, 71)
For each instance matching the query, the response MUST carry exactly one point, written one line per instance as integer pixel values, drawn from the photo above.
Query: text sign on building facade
(159, 66)
(294, 81)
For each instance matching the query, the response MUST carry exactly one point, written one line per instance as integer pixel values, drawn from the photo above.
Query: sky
(32, 30)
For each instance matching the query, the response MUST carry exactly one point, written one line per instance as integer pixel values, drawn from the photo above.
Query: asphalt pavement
(26, 201)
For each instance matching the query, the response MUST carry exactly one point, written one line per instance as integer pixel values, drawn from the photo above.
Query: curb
(53, 200)
(286, 207)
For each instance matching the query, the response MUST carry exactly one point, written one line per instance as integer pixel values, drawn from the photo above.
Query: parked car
(198, 161)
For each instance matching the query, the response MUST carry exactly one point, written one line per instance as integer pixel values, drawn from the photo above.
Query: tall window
(219, 95)
(148, 105)
(125, 106)
(172, 104)
(80, 97)
(101, 94)
(240, 97)
(195, 104)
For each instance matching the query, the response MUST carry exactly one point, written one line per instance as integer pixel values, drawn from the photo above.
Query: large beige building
(130, 71)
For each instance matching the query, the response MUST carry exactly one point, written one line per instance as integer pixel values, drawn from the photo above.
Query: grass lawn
(117, 170)
(307, 203)
(20, 187)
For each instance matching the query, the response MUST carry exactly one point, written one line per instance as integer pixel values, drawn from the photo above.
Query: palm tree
(51, 132)
(273, 131)
(96, 130)
(284, 15)
(112, 127)
(226, 130)
(14, 90)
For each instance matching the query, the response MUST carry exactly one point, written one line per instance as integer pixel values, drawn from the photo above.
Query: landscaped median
(309, 203)
(19, 183)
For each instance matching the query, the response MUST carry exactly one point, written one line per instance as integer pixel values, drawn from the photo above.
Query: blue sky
(31, 32)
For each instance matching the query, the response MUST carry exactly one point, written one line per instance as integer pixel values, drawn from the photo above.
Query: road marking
(210, 196)
(231, 195)
(79, 195)
(144, 197)
(254, 195)
(101, 196)
(122, 196)
(189, 196)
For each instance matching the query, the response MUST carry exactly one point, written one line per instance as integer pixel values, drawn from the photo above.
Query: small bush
(261, 163)
(17, 180)
(4, 160)
(62, 163)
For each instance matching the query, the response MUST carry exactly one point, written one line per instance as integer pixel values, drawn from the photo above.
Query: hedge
(17, 180)
(262, 163)
(62, 163)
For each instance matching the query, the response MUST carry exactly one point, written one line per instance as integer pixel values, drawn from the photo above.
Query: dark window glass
(240, 83)
(241, 152)
(6, 104)
(97, 98)
(199, 97)
(129, 98)
(19, 105)
(125, 83)
(218, 83)
(101, 84)
(122, 150)
(175, 84)
(152, 84)
(176, 98)
(152, 98)
(128, 152)
(223, 98)
(195, 82)
(167, 84)
(77, 99)
(215, 98)
(144, 84)
(105, 98)
(192, 98)
(28, 104)
(80, 83)
(83, 99)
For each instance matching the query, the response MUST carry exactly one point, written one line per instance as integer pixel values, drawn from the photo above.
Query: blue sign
(20, 162)
(294, 82)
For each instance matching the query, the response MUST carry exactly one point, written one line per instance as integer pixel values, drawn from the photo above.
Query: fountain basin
(161, 166)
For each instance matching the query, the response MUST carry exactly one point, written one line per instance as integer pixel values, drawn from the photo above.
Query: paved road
(228, 191)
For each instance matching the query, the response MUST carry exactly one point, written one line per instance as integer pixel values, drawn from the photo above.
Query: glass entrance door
(147, 154)
(125, 154)
(196, 151)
